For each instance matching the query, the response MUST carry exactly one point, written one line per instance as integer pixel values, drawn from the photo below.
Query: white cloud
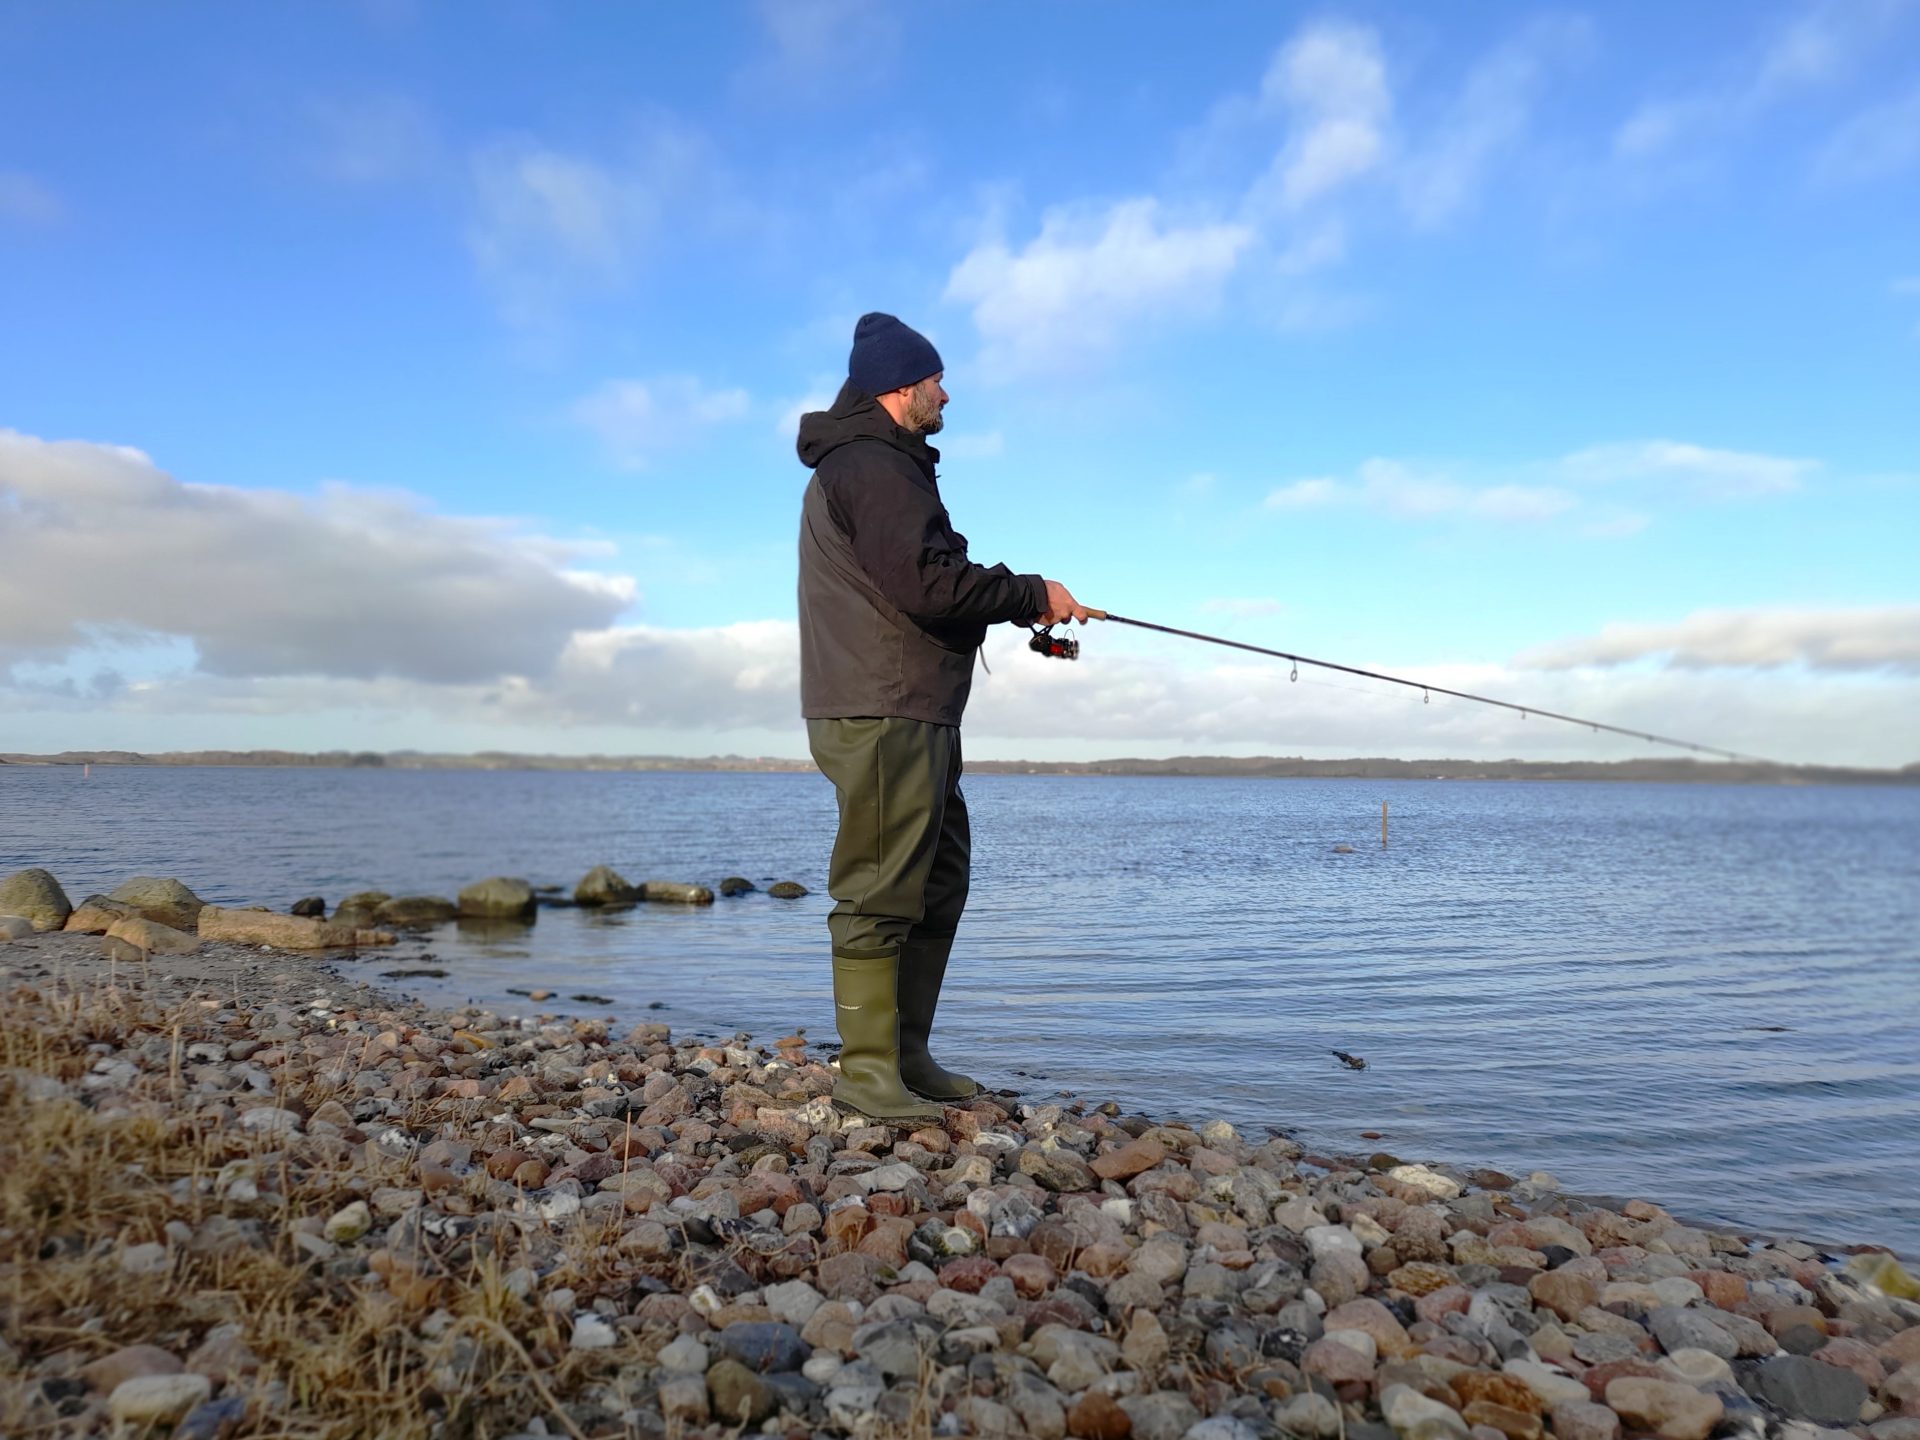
(1879, 141)
(1266, 178)
(1542, 490)
(1332, 81)
(1520, 502)
(636, 419)
(1714, 474)
(549, 226)
(25, 200)
(1390, 487)
(1487, 119)
(1087, 276)
(1816, 47)
(1128, 694)
(1867, 638)
(1306, 494)
(821, 50)
(390, 619)
(100, 547)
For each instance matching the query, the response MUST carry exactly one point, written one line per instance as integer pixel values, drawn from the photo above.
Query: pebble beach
(245, 1194)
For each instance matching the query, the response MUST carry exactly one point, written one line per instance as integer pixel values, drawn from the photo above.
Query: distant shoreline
(1656, 770)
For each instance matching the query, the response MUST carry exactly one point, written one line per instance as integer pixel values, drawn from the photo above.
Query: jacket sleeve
(903, 541)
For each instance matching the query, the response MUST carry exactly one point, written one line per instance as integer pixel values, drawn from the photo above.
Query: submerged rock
(414, 911)
(787, 890)
(501, 897)
(675, 892)
(604, 885)
(361, 907)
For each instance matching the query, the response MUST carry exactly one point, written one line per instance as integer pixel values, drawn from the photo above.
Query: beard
(923, 412)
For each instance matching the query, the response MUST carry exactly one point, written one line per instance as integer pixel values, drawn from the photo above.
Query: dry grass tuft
(340, 1355)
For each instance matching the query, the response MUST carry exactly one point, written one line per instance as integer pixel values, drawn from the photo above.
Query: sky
(394, 375)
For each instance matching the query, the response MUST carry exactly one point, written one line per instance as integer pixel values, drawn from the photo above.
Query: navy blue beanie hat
(888, 355)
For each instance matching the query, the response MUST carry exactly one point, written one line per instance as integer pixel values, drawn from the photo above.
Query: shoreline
(514, 1220)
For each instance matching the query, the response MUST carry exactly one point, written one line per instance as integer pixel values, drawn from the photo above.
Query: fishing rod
(1065, 647)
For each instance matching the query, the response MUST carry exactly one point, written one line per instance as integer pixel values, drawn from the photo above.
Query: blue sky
(409, 375)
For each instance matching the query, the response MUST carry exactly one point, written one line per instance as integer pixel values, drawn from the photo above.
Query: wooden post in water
(1383, 824)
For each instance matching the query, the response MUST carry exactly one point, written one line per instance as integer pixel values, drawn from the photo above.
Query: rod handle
(1093, 614)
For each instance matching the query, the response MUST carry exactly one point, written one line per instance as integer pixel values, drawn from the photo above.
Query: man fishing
(892, 613)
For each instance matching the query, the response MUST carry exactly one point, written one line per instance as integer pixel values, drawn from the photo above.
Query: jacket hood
(856, 415)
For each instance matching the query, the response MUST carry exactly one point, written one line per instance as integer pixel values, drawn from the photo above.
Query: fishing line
(1066, 648)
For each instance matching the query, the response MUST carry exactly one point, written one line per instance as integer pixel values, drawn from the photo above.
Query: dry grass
(339, 1355)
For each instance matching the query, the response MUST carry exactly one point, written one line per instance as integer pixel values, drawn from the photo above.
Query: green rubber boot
(923, 968)
(865, 1006)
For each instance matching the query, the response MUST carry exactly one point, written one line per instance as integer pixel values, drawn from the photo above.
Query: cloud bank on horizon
(373, 402)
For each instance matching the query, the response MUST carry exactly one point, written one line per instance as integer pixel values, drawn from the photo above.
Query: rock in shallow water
(499, 897)
(604, 885)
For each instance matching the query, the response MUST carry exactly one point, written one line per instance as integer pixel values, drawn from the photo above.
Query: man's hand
(1061, 606)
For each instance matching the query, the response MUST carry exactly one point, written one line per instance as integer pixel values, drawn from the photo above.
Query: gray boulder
(1809, 1389)
(36, 896)
(604, 885)
(413, 910)
(501, 897)
(163, 900)
(361, 908)
(676, 892)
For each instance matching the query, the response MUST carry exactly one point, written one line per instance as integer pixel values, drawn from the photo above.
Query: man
(892, 613)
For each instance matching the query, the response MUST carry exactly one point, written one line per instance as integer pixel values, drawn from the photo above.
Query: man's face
(924, 405)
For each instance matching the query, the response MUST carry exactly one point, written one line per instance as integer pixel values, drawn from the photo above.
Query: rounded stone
(604, 885)
(36, 897)
(738, 1394)
(161, 899)
(500, 897)
(157, 1399)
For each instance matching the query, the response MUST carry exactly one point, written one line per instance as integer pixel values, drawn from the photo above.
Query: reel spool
(1054, 647)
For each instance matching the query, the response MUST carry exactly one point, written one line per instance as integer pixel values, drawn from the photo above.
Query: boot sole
(976, 1091)
(847, 1108)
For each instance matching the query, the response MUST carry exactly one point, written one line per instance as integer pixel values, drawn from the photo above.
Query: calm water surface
(1580, 978)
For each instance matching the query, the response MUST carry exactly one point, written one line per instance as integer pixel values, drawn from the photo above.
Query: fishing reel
(1054, 647)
